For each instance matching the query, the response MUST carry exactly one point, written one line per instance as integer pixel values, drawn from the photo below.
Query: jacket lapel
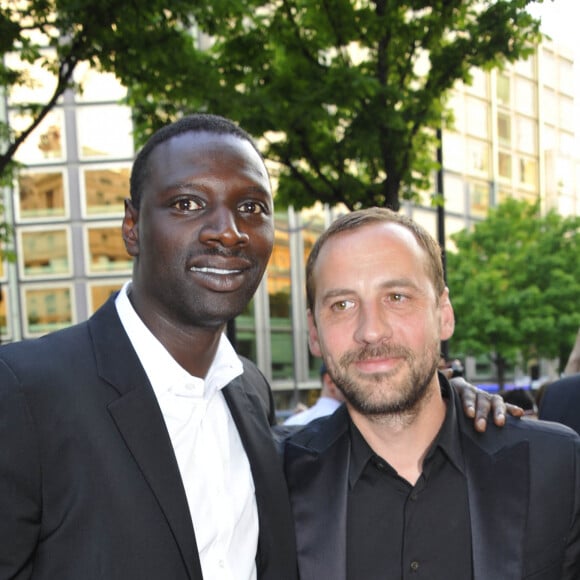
(276, 548)
(140, 422)
(498, 508)
(320, 465)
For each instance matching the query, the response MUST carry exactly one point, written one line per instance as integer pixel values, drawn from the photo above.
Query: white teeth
(218, 271)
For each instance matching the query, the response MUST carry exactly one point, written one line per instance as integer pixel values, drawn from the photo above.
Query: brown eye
(252, 207)
(187, 204)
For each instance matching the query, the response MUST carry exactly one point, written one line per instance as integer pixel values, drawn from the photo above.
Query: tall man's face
(377, 321)
(204, 230)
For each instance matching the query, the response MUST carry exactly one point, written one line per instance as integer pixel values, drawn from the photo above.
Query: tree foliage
(347, 93)
(144, 37)
(515, 284)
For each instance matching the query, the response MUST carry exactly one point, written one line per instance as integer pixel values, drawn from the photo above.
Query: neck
(404, 439)
(193, 348)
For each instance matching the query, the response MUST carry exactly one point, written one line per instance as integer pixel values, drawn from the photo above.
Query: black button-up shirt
(397, 531)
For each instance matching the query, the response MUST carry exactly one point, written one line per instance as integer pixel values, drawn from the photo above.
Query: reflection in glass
(105, 189)
(279, 286)
(528, 171)
(105, 131)
(504, 129)
(504, 162)
(313, 227)
(106, 250)
(246, 333)
(47, 309)
(45, 253)
(100, 293)
(4, 329)
(45, 143)
(479, 199)
(41, 195)
(503, 90)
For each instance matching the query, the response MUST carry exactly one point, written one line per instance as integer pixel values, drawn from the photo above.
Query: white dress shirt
(323, 406)
(212, 461)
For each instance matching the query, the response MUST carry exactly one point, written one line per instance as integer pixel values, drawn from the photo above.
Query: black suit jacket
(561, 402)
(523, 489)
(89, 483)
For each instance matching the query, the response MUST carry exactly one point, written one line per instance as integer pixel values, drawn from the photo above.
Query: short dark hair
(196, 123)
(358, 219)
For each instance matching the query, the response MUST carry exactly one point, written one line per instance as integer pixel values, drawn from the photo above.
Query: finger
(483, 408)
(514, 410)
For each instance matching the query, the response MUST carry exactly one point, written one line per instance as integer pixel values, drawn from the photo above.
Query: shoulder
(255, 383)
(322, 433)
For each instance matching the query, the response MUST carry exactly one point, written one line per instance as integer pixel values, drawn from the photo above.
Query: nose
(373, 325)
(222, 228)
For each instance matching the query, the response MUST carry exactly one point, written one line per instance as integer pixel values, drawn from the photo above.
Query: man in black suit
(136, 445)
(396, 484)
(561, 402)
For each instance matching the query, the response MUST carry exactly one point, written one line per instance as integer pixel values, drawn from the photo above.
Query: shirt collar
(447, 440)
(163, 371)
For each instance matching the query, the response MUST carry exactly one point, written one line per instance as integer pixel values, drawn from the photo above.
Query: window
(454, 190)
(105, 189)
(104, 132)
(526, 67)
(46, 144)
(280, 300)
(528, 172)
(97, 86)
(503, 90)
(479, 196)
(46, 308)
(99, 292)
(478, 156)
(44, 253)
(5, 329)
(41, 83)
(453, 152)
(504, 130)
(504, 165)
(526, 135)
(41, 194)
(525, 100)
(477, 118)
(105, 250)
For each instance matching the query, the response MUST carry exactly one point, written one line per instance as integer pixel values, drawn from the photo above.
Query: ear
(130, 229)
(447, 316)
(313, 341)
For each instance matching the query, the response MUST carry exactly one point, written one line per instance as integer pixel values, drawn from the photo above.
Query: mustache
(376, 351)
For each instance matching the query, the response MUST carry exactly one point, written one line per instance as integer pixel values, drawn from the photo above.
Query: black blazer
(523, 488)
(89, 483)
(561, 402)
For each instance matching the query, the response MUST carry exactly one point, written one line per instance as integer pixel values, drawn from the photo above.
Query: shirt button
(414, 566)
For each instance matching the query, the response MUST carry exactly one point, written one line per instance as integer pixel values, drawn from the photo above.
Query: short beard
(405, 401)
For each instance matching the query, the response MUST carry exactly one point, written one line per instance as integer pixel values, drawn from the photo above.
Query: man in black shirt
(397, 483)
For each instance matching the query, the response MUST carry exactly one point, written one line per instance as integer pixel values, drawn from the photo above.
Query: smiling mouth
(216, 271)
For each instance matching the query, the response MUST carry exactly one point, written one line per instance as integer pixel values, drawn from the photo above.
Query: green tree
(348, 94)
(148, 38)
(515, 285)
